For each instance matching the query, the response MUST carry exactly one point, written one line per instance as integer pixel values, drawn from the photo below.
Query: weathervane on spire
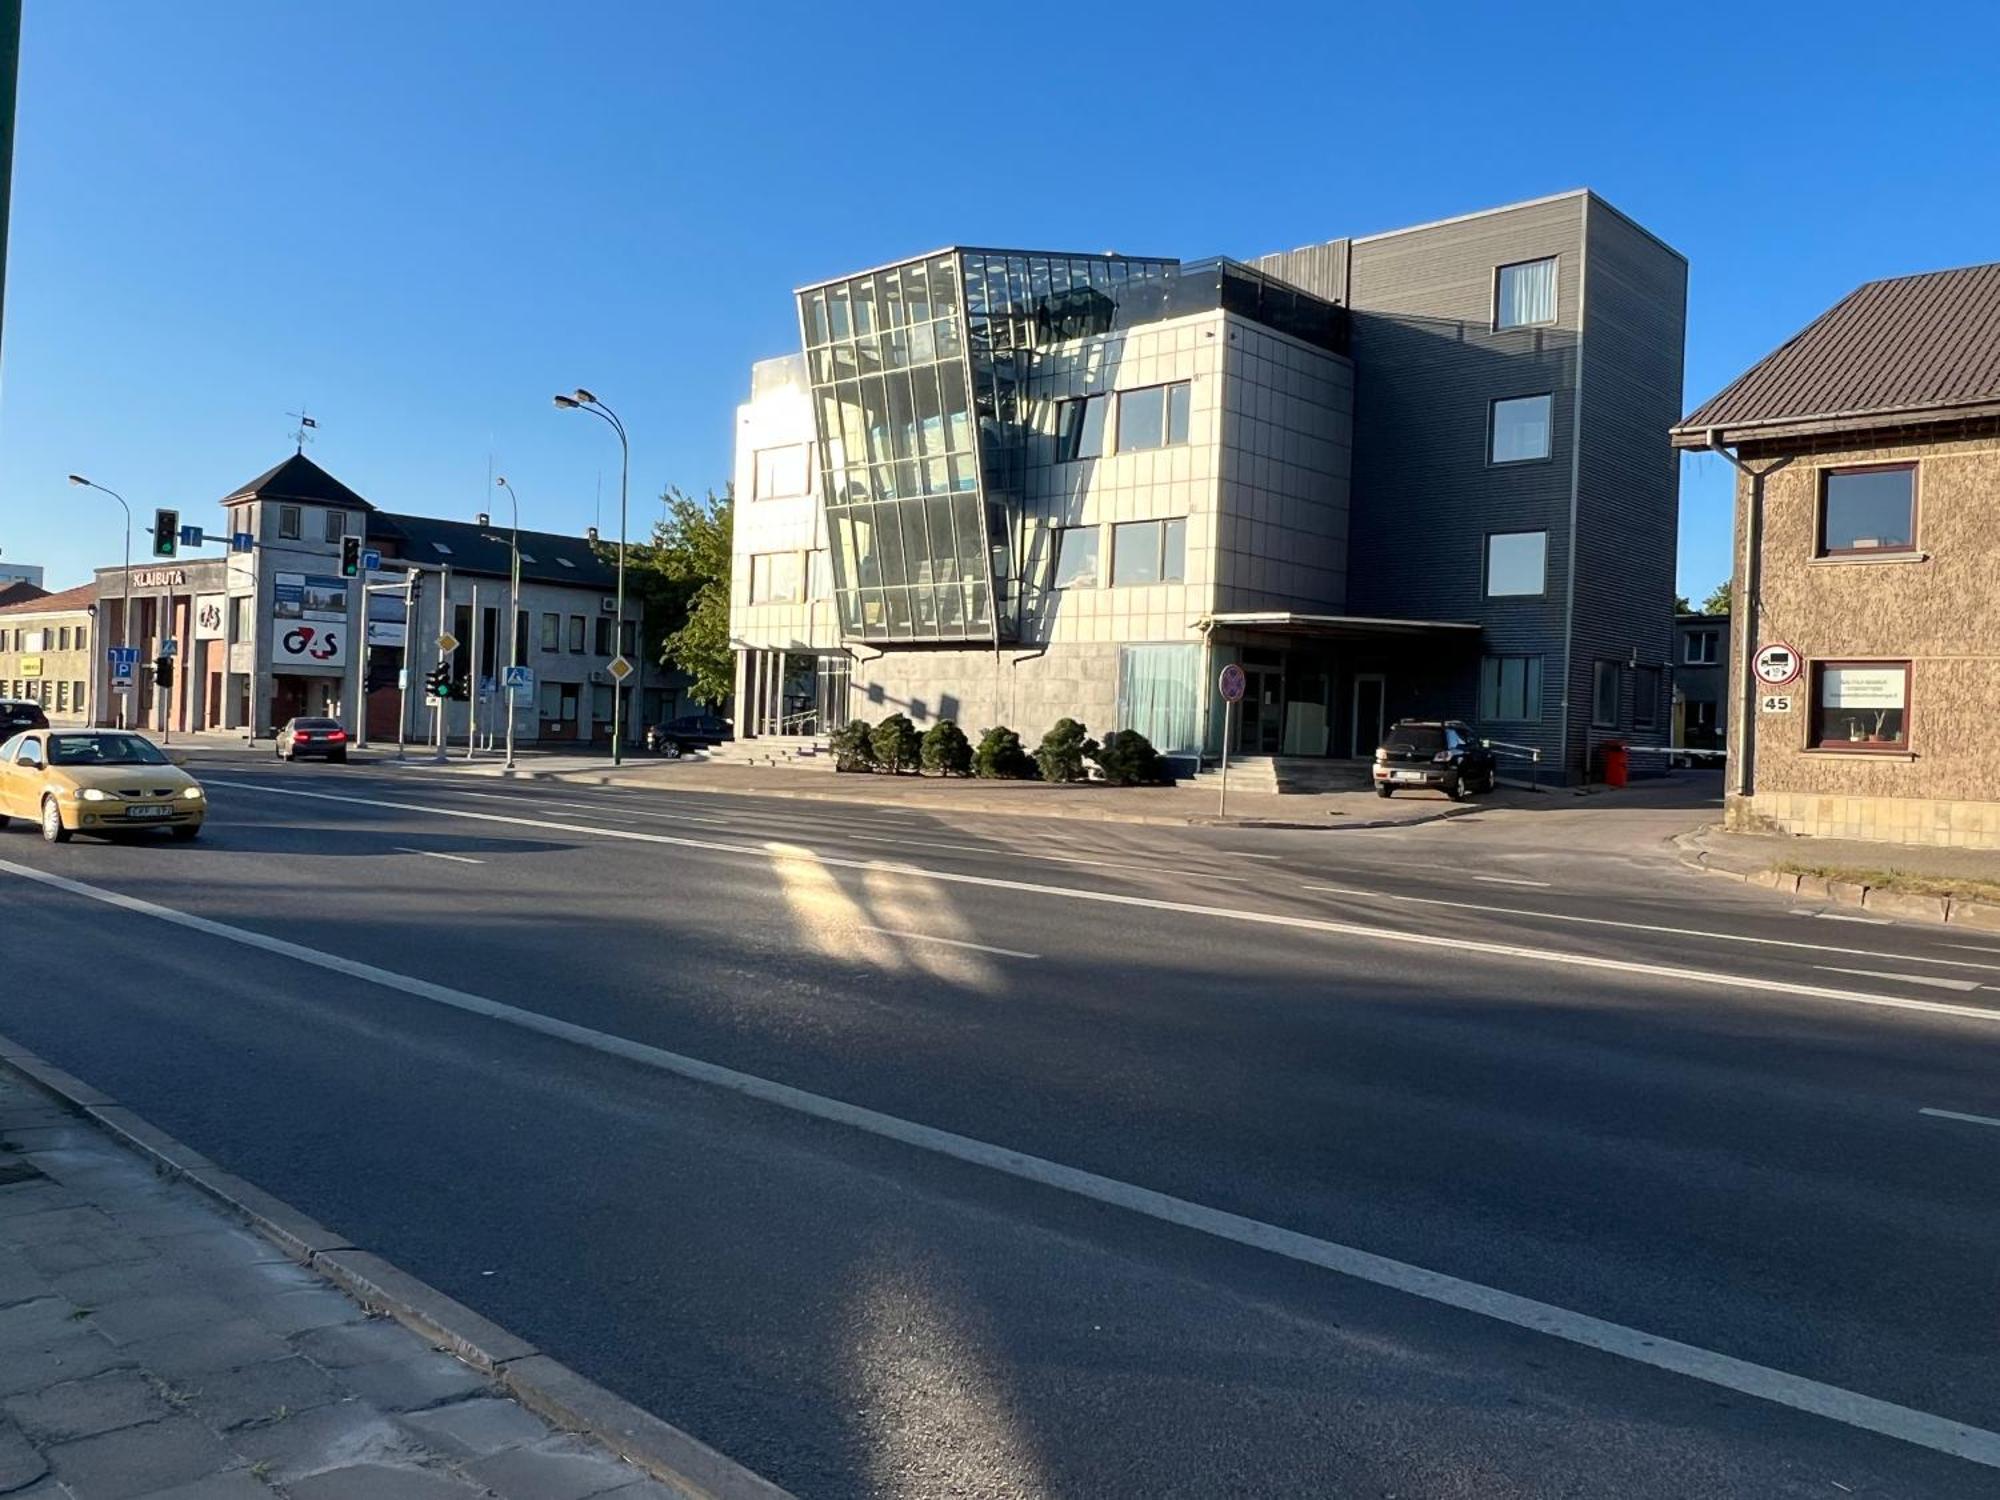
(303, 434)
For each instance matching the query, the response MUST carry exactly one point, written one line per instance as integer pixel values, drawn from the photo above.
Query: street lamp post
(584, 401)
(125, 608)
(513, 613)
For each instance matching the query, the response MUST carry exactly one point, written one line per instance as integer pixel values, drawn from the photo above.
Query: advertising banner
(308, 596)
(307, 643)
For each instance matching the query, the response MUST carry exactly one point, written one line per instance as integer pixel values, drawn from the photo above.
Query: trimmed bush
(1001, 758)
(946, 750)
(896, 744)
(853, 750)
(1127, 758)
(1063, 751)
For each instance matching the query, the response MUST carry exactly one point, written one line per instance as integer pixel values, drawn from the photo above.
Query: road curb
(544, 1385)
(1982, 916)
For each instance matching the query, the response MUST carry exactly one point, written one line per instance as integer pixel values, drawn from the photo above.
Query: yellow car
(101, 781)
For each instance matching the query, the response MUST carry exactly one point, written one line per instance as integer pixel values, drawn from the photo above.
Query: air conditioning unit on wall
(600, 678)
(607, 606)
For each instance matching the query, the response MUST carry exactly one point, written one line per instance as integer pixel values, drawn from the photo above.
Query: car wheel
(1456, 789)
(186, 833)
(52, 823)
(1384, 791)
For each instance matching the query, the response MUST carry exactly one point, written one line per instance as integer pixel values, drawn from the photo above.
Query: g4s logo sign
(310, 645)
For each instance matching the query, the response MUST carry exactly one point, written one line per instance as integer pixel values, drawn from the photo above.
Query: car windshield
(103, 750)
(1422, 738)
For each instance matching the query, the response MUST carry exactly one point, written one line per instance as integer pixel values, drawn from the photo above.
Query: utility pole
(412, 582)
(444, 629)
(472, 681)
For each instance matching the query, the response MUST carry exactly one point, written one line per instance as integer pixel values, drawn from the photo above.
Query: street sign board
(170, 647)
(619, 668)
(1776, 664)
(371, 561)
(520, 679)
(124, 662)
(242, 541)
(447, 642)
(191, 536)
(1231, 683)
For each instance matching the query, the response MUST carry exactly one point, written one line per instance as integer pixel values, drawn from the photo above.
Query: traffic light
(350, 557)
(461, 688)
(163, 672)
(438, 683)
(166, 532)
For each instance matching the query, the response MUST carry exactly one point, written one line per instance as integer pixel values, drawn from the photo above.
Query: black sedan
(688, 732)
(308, 737)
(1435, 754)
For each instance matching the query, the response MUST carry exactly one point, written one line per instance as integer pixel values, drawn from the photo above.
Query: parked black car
(1434, 753)
(327, 737)
(688, 732)
(17, 714)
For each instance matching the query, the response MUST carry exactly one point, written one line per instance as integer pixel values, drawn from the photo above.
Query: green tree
(1000, 756)
(1720, 599)
(1127, 758)
(1681, 605)
(1063, 751)
(896, 744)
(946, 749)
(682, 576)
(853, 748)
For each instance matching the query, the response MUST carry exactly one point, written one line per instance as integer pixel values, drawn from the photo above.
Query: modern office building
(1867, 584)
(1416, 473)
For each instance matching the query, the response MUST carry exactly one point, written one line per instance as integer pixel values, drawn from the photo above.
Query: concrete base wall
(979, 689)
(1891, 820)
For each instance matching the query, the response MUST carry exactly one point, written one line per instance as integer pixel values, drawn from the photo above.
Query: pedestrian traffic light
(461, 688)
(163, 672)
(438, 683)
(350, 557)
(166, 532)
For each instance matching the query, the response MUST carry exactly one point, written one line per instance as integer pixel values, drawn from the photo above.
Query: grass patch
(1964, 887)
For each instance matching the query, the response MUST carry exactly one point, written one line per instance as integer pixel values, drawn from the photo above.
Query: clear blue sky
(423, 219)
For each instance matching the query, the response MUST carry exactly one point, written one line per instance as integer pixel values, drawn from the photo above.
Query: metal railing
(1505, 751)
(798, 723)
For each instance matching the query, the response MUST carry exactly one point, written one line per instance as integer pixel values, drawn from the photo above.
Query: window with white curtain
(1159, 695)
(1524, 294)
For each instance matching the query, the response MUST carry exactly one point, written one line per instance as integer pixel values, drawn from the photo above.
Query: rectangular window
(1510, 690)
(1076, 557)
(1604, 695)
(1524, 294)
(62, 697)
(1520, 429)
(239, 618)
(1873, 509)
(290, 523)
(603, 646)
(1861, 705)
(83, 637)
(1516, 563)
(776, 578)
(1148, 552)
(576, 635)
(336, 525)
(62, 638)
(777, 472)
(1702, 648)
(1080, 428)
(76, 695)
(1154, 416)
(551, 632)
(628, 638)
(1159, 694)
(1646, 698)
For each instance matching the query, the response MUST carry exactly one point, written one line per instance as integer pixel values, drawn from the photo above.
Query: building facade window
(1860, 705)
(62, 697)
(83, 637)
(628, 637)
(777, 578)
(336, 525)
(1520, 429)
(603, 644)
(62, 638)
(576, 635)
(1080, 428)
(1155, 416)
(551, 632)
(1702, 648)
(1516, 563)
(778, 472)
(1646, 683)
(1076, 557)
(291, 523)
(1159, 694)
(1524, 294)
(76, 695)
(1149, 552)
(1510, 690)
(1604, 694)
(1871, 509)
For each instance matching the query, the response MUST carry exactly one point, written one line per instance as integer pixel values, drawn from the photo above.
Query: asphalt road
(1521, 1051)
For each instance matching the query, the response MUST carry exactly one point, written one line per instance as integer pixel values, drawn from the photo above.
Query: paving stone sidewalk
(152, 1347)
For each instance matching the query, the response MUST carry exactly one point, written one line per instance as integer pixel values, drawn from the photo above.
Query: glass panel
(889, 298)
(902, 417)
(875, 414)
(957, 405)
(1135, 554)
(1516, 563)
(1869, 510)
(1177, 412)
(1861, 706)
(816, 325)
(944, 283)
(971, 556)
(1526, 295)
(945, 334)
(1080, 428)
(1142, 418)
(929, 416)
(977, 614)
(916, 294)
(1076, 557)
(863, 297)
(1520, 429)
(1159, 695)
(1604, 694)
(841, 324)
(1173, 566)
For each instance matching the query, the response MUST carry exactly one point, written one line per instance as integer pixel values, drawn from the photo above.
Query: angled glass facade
(918, 372)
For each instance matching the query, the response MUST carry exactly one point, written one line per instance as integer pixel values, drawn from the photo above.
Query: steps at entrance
(802, 751)
(1301, 774)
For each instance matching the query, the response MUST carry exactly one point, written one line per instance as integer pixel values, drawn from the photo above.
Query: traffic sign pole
(472, 681)
(1230, 684)
(444, 634)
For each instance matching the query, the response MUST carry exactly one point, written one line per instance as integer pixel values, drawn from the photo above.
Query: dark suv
(17, 714)
(1439, 754)
(688, 732)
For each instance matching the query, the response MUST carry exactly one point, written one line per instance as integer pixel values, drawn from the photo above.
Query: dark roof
(20, 591)
(298, 478)
(1913, 348)
(484, 550)
(81, 597)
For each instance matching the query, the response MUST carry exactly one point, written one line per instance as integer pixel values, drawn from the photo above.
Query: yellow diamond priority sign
(620, 669)
(447, 642)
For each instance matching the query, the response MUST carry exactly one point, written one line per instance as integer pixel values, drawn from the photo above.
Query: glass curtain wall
(919, 376)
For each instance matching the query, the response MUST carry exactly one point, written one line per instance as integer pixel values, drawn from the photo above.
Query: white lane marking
(1952, 1114)
(925, 937)
(1511, 880)
(459, 859)
(1974, 948)
(1940, 981)
(520, 800)
(1247, 854)
(1851, 1408)
(1696, 932)
(1553, 957)
(919, 844)
(1837, 916)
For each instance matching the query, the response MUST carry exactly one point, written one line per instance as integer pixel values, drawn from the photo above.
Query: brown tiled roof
(20, 591)
(81, 597)
(1913, 347)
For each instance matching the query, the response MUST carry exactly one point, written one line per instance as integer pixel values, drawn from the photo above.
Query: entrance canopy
(1334, 627)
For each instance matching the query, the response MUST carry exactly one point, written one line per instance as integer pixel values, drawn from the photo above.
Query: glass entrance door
(1262, 725)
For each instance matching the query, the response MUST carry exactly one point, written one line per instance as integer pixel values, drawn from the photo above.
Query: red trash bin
(1616, 762)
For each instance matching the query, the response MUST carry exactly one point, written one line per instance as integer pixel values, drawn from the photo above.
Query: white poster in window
(208, 617)
(1863, 687)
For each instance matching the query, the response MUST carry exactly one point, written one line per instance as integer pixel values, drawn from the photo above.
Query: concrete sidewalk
(1955, 883)
(152, 1347)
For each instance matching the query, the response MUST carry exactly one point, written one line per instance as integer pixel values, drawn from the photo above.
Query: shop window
(1860, 705)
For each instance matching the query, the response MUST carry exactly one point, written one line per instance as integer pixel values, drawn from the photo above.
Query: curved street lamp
(583, 400)
(513, 611)
(126, 607)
